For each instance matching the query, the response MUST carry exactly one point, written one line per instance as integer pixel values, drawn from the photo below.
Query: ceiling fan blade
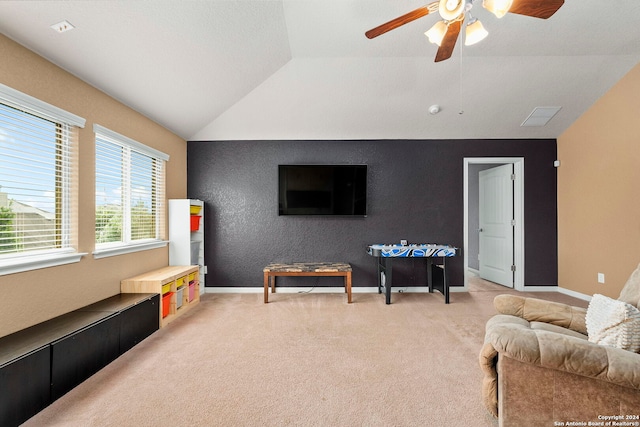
(536, 8)
(399, 21)
(449, 41)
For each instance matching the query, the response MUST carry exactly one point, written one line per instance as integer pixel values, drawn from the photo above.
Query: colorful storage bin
(166, 304)
(181, 281)
(195, 253)
(192, 291)
(195, 222)
(166, 288)
(179, 297)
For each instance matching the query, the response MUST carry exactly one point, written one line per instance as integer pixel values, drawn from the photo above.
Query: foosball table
(434, 255)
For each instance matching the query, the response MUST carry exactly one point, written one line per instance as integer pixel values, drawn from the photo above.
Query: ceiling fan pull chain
(461, 111)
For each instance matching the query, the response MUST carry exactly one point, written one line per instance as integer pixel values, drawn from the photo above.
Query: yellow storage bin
(192, 277)
(181, 281)
(195, 210)
(166, 288)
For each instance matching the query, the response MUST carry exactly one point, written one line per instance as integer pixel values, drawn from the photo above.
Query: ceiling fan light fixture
(437, 32)
(497, 7)
(474, 33)
(451, 9)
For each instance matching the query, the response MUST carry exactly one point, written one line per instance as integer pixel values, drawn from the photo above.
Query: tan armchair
(540, 368)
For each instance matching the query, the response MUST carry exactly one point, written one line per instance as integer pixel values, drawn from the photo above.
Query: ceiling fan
(445, 32)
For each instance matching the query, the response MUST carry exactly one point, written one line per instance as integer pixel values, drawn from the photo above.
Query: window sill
(121, 250)
(27, 263)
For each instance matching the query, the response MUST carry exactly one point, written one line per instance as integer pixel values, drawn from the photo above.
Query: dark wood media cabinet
(41, 363)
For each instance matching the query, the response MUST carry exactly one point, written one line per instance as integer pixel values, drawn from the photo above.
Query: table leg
(445, 280)
(388, 271)
(435, 281)
(378, 271)
(347, 280)
(266, 287)
(430, 274)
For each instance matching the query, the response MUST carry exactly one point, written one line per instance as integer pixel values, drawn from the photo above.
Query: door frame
(518, 214)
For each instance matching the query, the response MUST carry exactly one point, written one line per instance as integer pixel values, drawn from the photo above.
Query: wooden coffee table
(271, 271)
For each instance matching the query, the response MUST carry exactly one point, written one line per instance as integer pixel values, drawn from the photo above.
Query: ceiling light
(497, 7)
(63, 26)
(474, 32)
(437, 32)
(451, 9)
(434, 109)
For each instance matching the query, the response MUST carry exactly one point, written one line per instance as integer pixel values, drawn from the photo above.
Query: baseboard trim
(322, 290)
(574, 294)
(540, 289)
(373, 290)
(559, 289)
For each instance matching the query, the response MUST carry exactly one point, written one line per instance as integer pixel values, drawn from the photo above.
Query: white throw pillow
(613, 323)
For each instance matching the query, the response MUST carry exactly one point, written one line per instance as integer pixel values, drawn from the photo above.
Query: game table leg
(387, 266)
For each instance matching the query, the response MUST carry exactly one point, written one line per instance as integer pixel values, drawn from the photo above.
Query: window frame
(27, 261)
(127, 246)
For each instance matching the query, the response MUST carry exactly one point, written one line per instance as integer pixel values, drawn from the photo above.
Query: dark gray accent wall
(415, 192)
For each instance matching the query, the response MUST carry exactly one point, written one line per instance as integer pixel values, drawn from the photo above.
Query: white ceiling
(303, 69)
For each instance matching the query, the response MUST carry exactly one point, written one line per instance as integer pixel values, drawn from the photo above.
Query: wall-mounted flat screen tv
(322, 190)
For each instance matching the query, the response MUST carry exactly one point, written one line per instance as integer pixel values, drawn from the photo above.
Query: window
(129, 194)
(37, 165)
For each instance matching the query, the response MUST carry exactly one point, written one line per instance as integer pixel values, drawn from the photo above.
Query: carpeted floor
(301, 360)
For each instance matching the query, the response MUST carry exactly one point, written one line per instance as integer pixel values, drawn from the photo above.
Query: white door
(496, 225)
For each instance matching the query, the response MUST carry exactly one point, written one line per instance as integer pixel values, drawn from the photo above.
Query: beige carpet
(301, 360)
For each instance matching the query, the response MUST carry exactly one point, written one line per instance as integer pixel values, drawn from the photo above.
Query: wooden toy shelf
(179, 285)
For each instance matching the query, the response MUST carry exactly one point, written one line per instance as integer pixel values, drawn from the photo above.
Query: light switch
(600, 277)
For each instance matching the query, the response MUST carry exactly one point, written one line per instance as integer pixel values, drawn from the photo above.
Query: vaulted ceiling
(303, 69)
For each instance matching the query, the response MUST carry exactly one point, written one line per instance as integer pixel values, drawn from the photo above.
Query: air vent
(540, 116)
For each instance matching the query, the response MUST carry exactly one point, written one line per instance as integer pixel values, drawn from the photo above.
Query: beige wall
(33, 297)
(598, 188)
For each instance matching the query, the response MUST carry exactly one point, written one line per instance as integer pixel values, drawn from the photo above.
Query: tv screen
(322, 190)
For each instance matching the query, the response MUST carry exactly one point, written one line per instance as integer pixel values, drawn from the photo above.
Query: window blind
(129, 190)
(36, 166)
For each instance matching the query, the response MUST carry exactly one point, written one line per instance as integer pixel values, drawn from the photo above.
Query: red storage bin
(195, 222)
(166, 304)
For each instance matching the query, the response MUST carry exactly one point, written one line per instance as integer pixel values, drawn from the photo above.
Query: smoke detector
(434, 109)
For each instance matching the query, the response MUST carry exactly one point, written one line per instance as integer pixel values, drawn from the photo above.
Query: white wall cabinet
(186, 242)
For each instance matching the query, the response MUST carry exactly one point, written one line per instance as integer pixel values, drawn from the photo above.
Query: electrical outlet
(600, 277)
